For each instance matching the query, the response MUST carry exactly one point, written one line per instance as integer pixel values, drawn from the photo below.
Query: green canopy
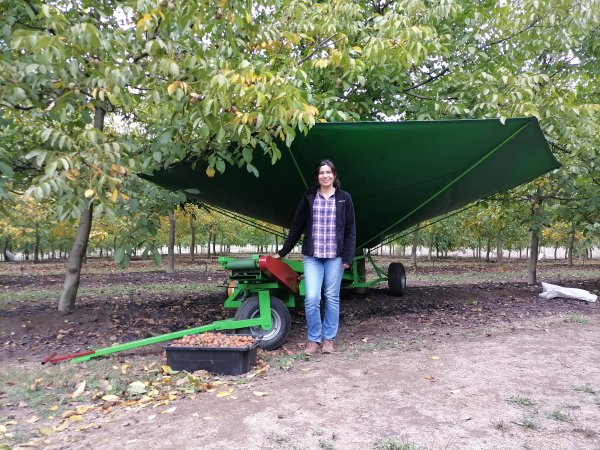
(398, 173)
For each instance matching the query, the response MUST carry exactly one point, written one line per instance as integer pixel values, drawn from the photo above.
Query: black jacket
(345, 226)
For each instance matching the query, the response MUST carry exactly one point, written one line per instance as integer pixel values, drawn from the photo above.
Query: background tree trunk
(66, 304)
(415, 245)
(571, 243)
(36, 248)
(193, 242)
(535, 237)
(171, 247)
(499, 248)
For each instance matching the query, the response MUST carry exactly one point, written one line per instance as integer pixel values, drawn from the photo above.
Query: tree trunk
(209, 241)
(214, 244)
(193, 243)
(36, 248)
(171, 247)
(571, 243)
(535, 237)
(499, 248)
(488, 249)
(415, 245)
(66, 304)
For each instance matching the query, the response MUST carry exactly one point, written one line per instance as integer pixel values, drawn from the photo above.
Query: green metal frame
(263, 321)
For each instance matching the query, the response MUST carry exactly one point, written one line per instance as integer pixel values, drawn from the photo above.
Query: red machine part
(280, 271)
(53, 358)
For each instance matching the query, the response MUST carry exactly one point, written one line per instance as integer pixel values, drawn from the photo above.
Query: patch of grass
(586, 389)
(392, 443)
(578, 318)
(285, 362)
(529, 424)
(470, 302)
(500, 425)
(520, 401)
(559, 416)
(326, 445)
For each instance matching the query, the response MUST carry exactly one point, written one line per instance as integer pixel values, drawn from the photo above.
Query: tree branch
(428, 80)
(319, 46)
(21, 108)
(560, 148)
(500, 41)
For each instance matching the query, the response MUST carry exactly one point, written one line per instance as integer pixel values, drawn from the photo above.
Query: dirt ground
(462, 361)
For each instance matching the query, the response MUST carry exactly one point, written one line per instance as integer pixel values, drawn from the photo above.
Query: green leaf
(247, 154)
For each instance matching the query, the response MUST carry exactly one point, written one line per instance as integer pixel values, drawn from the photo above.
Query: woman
(325, 215)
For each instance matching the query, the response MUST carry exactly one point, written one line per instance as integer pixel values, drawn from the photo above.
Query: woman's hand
(346, 266)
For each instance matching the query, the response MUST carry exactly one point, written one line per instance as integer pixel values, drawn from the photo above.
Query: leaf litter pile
(116, 307)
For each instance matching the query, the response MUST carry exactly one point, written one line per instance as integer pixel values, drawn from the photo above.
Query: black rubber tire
(396, 279)
(281, 321)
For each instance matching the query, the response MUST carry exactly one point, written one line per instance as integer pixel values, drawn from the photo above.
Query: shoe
(312, 348)
(328, 346)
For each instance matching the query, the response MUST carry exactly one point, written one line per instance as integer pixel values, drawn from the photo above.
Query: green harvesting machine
(398, 173)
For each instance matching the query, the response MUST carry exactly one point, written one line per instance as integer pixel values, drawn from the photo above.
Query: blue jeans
(317, 271)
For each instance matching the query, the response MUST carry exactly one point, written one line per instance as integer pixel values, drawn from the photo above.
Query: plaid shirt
(323, 227)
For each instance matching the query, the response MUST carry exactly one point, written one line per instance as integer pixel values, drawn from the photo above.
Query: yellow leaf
(172, 87)
(68, 413)
(82, 409)
(62, 427)
(110, 398)
(224, 393)
(46, 431)
(89, 193)
(114, 197)
(167, 370)
(210, 172)
(79, 390)
(76, 418)
(54, 408)
(260, 394)
(169, 411)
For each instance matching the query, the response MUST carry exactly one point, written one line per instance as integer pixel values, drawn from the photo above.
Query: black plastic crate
(221, 360)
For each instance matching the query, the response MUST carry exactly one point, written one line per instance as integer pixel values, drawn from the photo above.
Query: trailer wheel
(396, 279)
(280, 317)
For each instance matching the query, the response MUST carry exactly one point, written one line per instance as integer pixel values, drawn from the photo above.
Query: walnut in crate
(214, 340)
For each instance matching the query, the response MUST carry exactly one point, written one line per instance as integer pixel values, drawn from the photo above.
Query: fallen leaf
(46, 431)
(32, 419)
(169, 411)
(430, 378)
(62, 427)
(82, 409)
(435, 357)
(224, 393)
(68, 413)
(76, 418)
(137, 387)
(54, 408)
(110, 398)
(79, 390)
(260, 394)
(152, 417)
